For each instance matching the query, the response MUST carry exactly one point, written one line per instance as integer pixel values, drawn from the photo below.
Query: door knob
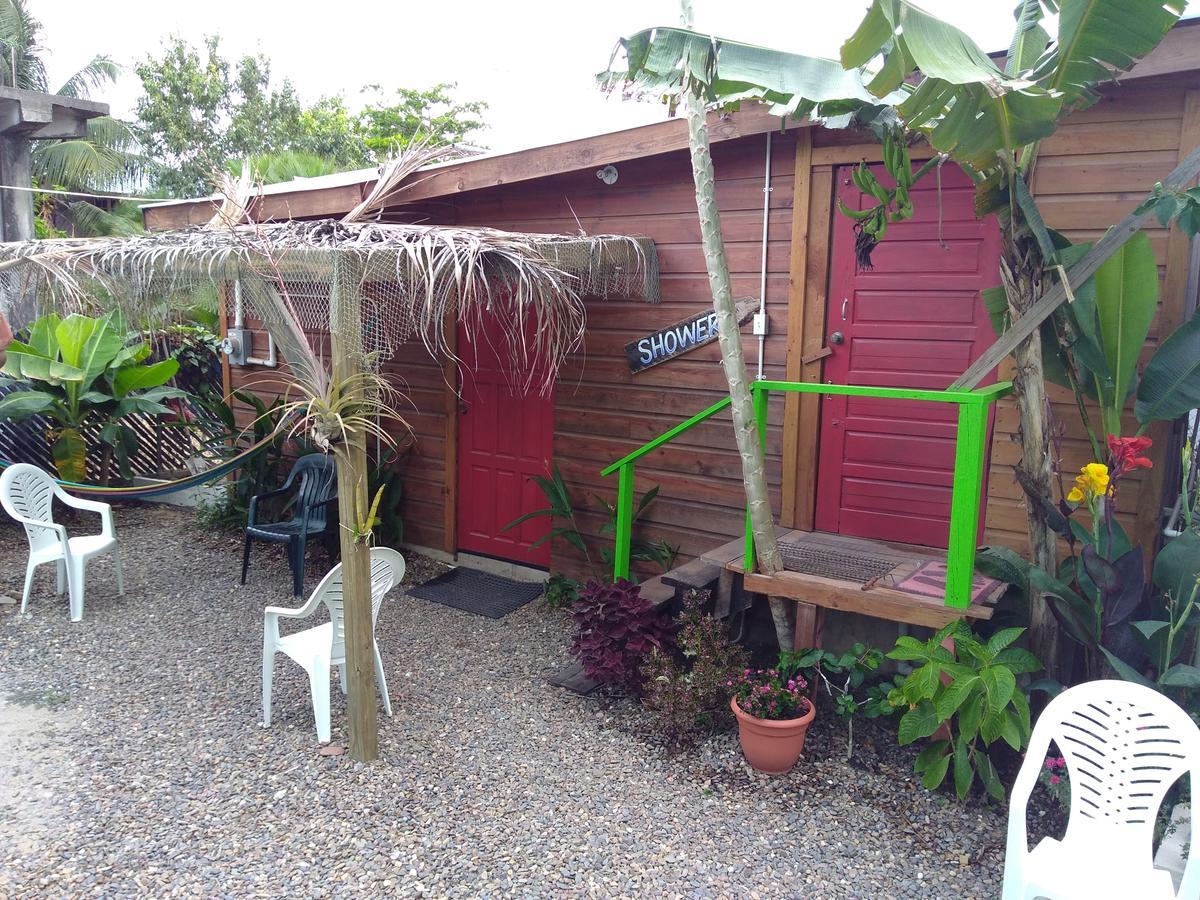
(837, 338)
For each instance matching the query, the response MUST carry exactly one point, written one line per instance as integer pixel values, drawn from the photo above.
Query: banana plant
(83, 373)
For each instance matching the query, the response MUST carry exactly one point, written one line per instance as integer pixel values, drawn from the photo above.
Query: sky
(532, 61)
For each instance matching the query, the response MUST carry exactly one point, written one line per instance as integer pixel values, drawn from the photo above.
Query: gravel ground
(134, 764)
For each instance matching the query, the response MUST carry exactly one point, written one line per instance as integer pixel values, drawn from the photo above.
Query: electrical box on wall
(761, 325)
(237, 345)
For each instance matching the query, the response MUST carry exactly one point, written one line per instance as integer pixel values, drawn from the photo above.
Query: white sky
(533, 61)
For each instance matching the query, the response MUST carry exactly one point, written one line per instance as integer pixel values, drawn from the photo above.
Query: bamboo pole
(345, 311)
(754, 476)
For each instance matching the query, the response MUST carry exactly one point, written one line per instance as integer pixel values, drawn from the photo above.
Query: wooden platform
(878, 597)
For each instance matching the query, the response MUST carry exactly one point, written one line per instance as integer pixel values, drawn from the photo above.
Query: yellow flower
(1097, 473)
(1091, 482)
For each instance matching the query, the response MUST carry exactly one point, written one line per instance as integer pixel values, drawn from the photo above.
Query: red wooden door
(916, 319)
(504, 437)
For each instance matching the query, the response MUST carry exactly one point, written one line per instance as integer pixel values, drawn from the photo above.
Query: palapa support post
(345, 301)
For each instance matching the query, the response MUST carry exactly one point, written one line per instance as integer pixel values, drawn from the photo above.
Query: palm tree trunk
(762, 521)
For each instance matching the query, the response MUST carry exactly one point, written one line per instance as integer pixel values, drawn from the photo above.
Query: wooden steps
(873, 598)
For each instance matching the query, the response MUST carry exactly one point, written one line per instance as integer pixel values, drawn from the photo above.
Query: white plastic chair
(27, 494)
(317, 649)
(1125, 745)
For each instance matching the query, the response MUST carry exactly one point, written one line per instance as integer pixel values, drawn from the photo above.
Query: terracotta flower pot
(772, 745)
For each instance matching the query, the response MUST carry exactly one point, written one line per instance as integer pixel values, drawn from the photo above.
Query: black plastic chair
(317, 489)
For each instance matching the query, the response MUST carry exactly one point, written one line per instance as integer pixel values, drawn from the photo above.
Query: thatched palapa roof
(411, 278)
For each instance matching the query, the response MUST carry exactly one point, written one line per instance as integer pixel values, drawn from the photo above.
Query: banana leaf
(1170, 386)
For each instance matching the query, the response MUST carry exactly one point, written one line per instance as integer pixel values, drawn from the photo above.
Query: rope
(134, 492)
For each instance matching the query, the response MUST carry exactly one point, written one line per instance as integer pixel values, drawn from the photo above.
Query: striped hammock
(139, 492)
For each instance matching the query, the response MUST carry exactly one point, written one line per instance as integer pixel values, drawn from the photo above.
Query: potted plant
(773, 713)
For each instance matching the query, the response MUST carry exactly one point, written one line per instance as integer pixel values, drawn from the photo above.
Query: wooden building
(858, 468)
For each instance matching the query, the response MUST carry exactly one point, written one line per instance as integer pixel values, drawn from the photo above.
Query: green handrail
(970, 451)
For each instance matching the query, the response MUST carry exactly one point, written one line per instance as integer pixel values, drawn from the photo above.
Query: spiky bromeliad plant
(82, 373)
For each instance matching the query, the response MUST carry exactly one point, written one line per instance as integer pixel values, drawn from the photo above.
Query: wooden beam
(1174, 308)
(598, 151)
(797, 280)
(345, 304)
(881, 603)
(812, 339)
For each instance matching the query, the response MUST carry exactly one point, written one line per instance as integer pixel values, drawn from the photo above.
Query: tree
(987, 119)
(432, 114)
(107, 159)
(200, 110)
(272, 168)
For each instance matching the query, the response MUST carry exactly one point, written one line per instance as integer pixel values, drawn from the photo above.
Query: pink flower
(1051, 762)
(1054, 779)
(1062, 762)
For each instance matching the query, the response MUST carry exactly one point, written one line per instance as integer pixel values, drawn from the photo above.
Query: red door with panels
(505, 436)
(916, 319)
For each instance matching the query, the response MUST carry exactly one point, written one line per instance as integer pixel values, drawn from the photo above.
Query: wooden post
(345, 316)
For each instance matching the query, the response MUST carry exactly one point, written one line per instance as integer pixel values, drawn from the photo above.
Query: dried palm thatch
(412, 280)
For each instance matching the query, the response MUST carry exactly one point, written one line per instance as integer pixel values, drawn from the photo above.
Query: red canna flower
(1128, 454)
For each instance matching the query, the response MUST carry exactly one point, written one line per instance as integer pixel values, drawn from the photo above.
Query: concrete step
(695, 575)
(657, 591)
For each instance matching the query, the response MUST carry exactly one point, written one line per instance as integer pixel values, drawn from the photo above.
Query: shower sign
(677, 339)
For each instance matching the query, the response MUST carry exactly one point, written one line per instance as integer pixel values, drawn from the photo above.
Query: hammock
(137, 492)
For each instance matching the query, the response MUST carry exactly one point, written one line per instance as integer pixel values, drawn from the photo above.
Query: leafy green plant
(560, 508)
(560, 592)
(260, 473)
(80, 373)
(688, 692)
(658, 552)
(1166, 640)
(843, 676)
(974, 697)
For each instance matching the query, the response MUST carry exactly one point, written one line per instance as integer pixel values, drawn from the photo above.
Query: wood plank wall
(1089, 174)
(602, 411)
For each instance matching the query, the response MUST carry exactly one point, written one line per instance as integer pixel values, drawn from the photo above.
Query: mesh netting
(371, 286)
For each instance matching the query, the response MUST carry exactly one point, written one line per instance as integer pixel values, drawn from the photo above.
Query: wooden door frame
(450, 462)
(813, 215)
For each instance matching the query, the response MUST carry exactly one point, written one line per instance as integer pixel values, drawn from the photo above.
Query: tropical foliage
(1104, 584)
(616, 628)
(970, 696)
(83, 374)
(560, 507)
(201, 110)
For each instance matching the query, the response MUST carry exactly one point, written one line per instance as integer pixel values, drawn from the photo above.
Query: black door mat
(478, 592)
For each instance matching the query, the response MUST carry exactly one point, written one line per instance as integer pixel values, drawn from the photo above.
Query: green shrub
(688, 693)
(979, 704)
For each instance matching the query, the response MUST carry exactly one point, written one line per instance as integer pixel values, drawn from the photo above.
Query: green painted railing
(969, 453)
